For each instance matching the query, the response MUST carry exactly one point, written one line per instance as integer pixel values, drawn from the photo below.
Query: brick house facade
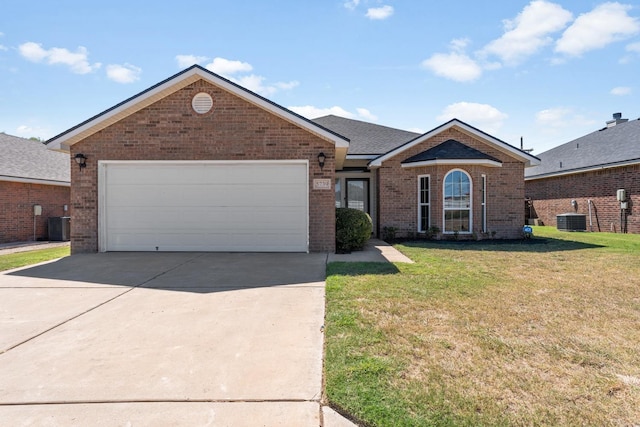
(30, 175)
(16, 210)
(589, 171)
(236, 128)
(504, 190)
(162, 128)
(553, 196)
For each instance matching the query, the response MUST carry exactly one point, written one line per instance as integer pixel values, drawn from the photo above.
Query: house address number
(322, 184)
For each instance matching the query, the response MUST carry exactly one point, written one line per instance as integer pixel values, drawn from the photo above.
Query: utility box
(572, 222)
(59, 228)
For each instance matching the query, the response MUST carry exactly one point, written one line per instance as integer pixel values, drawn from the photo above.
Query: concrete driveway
(147, 339)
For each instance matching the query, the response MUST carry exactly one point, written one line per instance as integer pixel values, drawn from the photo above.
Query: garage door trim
(102, 183)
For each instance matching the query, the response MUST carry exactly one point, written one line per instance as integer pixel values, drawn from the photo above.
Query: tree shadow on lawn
(535, 244)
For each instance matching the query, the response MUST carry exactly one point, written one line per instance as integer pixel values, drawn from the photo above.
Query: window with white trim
(484, 203)
(457, 202)
(424, 203)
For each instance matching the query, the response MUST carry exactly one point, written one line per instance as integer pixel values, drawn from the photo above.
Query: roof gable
(608, 147)
(25, 160)
(496, 143)
(176, 82)
(451, 151)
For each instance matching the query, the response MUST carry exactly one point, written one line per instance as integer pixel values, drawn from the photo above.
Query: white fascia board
(583, 170)
(64, 142)
(529, 160)
(361, 156)
(479, 162)
(35, 181)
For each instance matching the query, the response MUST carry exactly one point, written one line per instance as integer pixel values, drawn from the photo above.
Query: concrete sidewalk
(374, 251)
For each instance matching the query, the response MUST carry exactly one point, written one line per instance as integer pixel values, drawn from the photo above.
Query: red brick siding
(552, 196)
(170, 130)
(16, 209)
(505, 190)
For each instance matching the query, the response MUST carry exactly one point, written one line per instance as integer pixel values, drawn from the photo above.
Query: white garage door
(259, 206)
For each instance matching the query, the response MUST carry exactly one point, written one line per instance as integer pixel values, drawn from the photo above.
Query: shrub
(389, 234)
(353, 229)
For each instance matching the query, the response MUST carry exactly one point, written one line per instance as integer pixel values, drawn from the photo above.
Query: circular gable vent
(202, 103)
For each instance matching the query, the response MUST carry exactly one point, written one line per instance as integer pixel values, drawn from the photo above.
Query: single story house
(585, 175)
(34, 184)
(199, 163)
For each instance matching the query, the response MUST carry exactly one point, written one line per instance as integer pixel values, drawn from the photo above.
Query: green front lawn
(20, 259)
(540, 332)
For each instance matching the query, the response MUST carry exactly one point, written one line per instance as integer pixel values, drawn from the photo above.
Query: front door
(357, 194)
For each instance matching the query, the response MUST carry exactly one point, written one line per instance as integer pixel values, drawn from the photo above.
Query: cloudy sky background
(547, 71)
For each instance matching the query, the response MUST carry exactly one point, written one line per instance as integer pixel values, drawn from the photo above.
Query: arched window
(457, 202)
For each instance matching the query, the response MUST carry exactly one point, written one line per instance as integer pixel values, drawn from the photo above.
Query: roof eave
(65, 140)
(582, 170)
(528, 159)
(434, 162)
(40, 181)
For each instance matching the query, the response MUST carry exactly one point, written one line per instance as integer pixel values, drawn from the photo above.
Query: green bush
(353, 229)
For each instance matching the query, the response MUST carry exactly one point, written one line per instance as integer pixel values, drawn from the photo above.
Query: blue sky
(548, 71)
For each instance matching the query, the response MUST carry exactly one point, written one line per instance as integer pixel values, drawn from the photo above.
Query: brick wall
(552, 196)
(505, 190)
(16, 209)
(170, 130)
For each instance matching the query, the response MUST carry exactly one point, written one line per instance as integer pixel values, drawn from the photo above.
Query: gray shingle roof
(605, 147)
(27, 159)
(366, 138)
(450, 150)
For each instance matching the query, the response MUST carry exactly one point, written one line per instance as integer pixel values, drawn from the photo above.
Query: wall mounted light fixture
(81, 160)
(321, 159)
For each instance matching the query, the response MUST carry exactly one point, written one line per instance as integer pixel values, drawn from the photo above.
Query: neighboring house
(198, 163)
(583, 176)
(30, 175)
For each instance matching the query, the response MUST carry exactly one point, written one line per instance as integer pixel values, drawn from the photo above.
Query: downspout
(590, 222)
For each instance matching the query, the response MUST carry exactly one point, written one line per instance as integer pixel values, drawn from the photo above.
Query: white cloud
(227, 67)
(553, 117)
(27, 131)
(455, 66)
(556, 118)
(233, 70)
(483, 116)
(352, 4)
(312, 112)
(416, 130)
(126, 73)
(633, 47)
(2, 47)
(77, 61)
(256, 84)
(185, 61)
(607, 23)
(366, 114)
(379, 13)
(621, 90)
(528, 32)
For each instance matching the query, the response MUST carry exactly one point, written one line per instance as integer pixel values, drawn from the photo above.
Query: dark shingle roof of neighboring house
(366, 138)
(25, 160)
(450, 150)
(608, 147)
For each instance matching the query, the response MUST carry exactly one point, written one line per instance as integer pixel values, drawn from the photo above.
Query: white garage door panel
(206, 195)
(204, 206)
